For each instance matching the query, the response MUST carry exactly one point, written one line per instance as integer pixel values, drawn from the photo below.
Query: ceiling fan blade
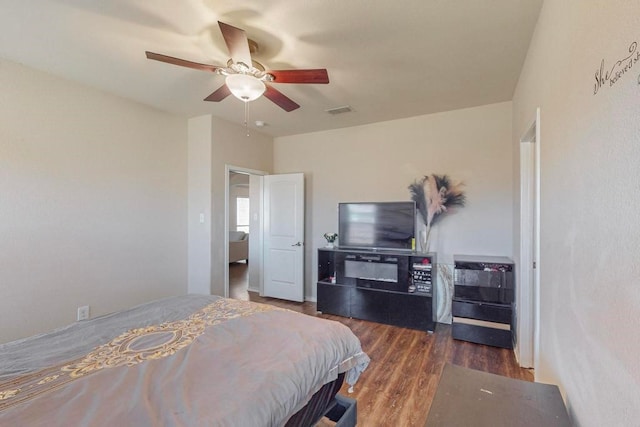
(237, 43)
(220, 94)
(280, 99)
(300, 76)
(181, 62)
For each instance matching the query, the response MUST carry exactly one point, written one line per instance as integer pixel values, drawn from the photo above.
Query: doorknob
(297, 244)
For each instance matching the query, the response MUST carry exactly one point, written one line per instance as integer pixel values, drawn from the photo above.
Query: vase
(329, 245)
(424, 238)
(424, 241)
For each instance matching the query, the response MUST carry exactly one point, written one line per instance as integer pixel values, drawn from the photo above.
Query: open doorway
(239, 232)
(243, 231)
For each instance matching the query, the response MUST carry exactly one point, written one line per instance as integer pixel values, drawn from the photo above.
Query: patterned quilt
(191, 360)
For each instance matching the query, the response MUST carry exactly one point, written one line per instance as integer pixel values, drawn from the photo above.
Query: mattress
(189, 360)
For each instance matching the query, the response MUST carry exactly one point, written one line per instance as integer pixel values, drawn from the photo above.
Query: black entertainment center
(376, 274)
(391, 287)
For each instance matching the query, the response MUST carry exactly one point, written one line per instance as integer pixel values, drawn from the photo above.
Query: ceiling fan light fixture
(245, 87)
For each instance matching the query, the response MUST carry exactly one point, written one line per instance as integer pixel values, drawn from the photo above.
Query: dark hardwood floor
(399, 385)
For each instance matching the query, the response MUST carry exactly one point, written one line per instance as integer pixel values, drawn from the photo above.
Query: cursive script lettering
(618, 69)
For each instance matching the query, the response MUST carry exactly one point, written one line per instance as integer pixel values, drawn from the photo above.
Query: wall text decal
(619, 68)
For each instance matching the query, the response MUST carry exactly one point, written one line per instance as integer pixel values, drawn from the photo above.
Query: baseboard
(256, 290)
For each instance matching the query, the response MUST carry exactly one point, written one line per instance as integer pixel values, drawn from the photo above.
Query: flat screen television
(377, 225)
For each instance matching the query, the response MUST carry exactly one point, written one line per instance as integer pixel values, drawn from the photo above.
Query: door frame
(528, 300)
(227, 170)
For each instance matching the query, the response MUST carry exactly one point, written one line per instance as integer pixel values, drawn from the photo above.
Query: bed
(181, 361)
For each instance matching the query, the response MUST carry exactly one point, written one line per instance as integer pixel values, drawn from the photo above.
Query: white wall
(378, 162)
(199, 233)
(255, 237)
(92, 202)
(228, 144)
(590, 191)
(231, 146)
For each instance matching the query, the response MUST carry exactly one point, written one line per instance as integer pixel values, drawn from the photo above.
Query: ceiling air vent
(339, 110)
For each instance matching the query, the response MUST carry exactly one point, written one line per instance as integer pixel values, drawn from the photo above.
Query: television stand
(385, 286)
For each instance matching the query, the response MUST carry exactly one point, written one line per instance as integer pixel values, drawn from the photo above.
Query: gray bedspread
(183, 361)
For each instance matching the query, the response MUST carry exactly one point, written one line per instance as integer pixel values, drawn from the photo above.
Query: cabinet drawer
(412, 311)
(333, 299)
(480, 293)
(405, 310)
(485, 279)
(482, 335)
(482, 311)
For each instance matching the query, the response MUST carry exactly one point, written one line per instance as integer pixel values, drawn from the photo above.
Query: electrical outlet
(83, 312)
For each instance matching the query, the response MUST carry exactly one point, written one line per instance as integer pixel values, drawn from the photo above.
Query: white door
(284, 236)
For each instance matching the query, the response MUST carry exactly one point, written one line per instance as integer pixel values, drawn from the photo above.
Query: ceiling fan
(246, 78)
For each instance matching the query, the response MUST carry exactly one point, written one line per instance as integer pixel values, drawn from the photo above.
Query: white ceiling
(386, 59)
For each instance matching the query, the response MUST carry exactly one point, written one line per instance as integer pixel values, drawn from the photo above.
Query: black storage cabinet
(483, 302)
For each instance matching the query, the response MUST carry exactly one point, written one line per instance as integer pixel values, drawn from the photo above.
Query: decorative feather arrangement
(417, 195)
(434, 195)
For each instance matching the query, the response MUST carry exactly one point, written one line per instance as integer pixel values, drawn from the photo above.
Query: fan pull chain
(246, 117)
